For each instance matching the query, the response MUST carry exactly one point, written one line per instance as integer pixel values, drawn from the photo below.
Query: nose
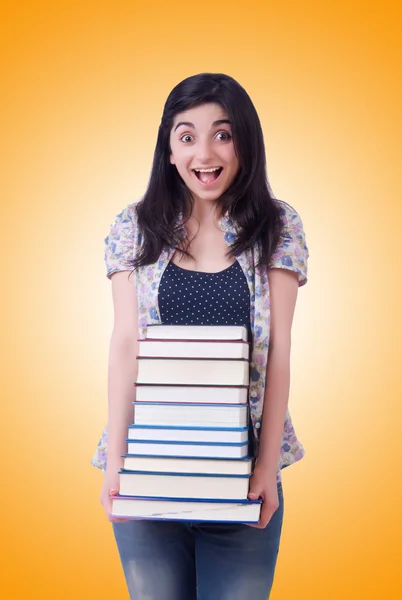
(204, 152)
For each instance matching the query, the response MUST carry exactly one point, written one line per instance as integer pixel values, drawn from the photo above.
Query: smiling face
(203, 151)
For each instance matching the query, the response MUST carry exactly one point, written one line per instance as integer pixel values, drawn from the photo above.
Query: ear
(171, 158)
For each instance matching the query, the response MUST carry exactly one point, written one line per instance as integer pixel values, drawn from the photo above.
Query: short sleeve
(291, 252)
(121, 242)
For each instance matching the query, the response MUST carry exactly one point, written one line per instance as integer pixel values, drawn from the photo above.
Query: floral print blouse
(122, 243)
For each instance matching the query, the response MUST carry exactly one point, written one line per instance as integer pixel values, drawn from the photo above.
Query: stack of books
(188, 447)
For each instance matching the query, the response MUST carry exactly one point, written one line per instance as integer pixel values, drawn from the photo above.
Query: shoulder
(122, 240)
(288, 214)
(126, 217)
(124, 225)
(292, 251)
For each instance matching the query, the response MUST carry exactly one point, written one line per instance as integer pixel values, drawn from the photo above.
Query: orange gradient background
(83, 88)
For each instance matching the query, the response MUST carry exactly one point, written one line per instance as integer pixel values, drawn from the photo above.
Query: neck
(205, 213)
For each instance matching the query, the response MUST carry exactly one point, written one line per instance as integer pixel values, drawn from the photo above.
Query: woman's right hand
(110, 488)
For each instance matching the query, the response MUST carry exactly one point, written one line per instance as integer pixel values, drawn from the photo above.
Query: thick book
(193, 349)
(190, 393)
(179, 509)
(188, 434)
(197, 332)
(201, 415)
(190, 449)
(207, 371)
(207, 466)
(183, 485)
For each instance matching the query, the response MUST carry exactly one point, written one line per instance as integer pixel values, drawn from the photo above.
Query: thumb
(112, 518)
(255, 491)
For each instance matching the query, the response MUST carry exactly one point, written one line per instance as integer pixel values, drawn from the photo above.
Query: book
(193, 349)
(188, 434)
(183, 485)
(190, 393)
(207, 371)
(183, 510)
(211, 415)
(175, 464)
(189, 449)
(196, 332)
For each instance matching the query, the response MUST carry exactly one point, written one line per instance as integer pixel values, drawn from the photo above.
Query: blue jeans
(173, 560)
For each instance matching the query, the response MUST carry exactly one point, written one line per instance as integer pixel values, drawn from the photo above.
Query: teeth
(207, 170)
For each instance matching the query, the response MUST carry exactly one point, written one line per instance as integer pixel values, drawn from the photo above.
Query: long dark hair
(249, 200)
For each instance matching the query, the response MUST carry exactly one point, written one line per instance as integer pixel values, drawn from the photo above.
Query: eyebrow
(214, 124)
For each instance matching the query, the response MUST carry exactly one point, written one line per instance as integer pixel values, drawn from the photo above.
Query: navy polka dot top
(194, 297)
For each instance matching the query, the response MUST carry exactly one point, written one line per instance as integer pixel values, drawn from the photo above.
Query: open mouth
(208, 177)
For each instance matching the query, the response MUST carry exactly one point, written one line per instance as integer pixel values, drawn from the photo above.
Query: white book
(182, 510)
(197, 332)
(188, 465)
(183, 485)
(193, 371)
(190, 393)
(193, 349)
(196, 415)
(191, 449)
(188, 434)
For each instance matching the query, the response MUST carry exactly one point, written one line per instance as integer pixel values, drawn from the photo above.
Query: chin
(207, 196)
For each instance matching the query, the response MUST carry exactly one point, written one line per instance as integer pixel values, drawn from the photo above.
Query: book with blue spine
(202, 486)
(183, 433)
(186, 509)
(189, 449)
(179, 464)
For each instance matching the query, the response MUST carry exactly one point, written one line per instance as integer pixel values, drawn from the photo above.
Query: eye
(186, 135)
(225, 133)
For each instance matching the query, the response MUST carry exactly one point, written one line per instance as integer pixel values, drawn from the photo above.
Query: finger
(114, 519)
(252, 496)
(109, 507)
(265, 517)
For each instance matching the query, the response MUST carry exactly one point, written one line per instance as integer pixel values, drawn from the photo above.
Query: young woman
(208, 222)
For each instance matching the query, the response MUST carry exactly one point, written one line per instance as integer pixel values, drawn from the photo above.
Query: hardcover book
(174, 433)
(197, 332)
(200, 371)
(190, 449)
(211, 415)
(202, 394)
(193, 349)
(180, 509)
(183, 485)
(178, 464)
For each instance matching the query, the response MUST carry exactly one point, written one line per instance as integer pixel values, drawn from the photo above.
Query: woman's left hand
(264, 485)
